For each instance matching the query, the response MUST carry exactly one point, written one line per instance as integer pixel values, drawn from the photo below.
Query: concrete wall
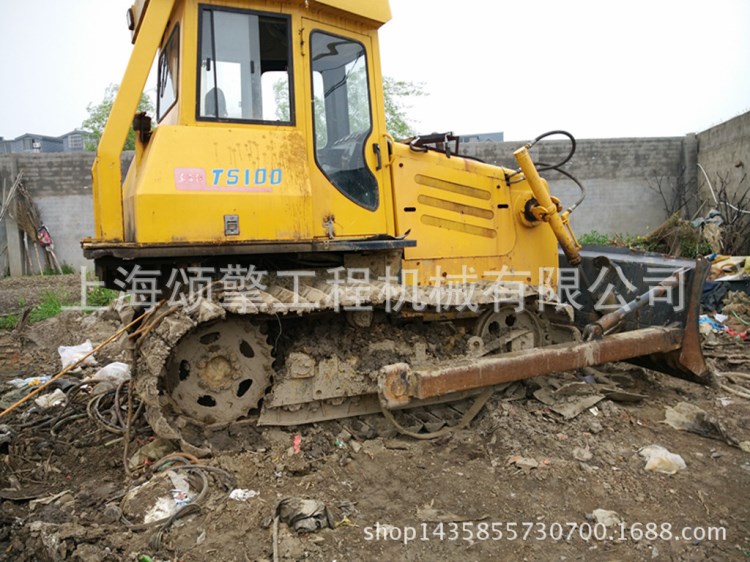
(60, 185)
(724, 153)
(620, 177)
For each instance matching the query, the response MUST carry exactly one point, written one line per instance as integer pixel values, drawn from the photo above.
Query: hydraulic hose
(542, 167)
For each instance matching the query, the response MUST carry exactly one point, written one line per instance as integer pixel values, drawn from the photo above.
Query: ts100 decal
(228, 179)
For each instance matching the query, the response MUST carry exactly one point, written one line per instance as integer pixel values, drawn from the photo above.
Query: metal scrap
(304, 515)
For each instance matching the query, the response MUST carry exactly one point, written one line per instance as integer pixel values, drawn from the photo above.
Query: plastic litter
(659, 459)
(166, 506)
(163, 508)
(55, 398)
(707, 325)
(116, 373)
(297, 443)
(683, 416)
(181, 491)
(70, 354)
(242, 494)
(153, 451)
(29, 382)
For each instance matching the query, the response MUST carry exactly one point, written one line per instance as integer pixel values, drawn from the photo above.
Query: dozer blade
(633, 274)
(635, 307)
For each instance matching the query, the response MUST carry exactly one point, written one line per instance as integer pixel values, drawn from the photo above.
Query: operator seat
(213, 96)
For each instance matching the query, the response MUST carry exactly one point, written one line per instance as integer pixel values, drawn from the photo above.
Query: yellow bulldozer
(306, 266)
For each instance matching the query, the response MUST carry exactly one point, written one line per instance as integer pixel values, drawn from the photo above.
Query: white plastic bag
(658, 459)
(242, 494)
(115, 373)
(52, 399)
(70, 354)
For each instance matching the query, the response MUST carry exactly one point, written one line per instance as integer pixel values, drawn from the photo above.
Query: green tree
(99, 113)
(397, 94)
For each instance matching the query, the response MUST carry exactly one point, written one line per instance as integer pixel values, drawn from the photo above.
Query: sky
(600, 69)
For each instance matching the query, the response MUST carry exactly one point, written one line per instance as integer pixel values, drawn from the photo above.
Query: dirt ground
(520, 468)
(19, 293)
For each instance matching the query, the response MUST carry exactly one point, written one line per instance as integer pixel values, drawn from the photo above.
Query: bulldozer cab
(269, 126)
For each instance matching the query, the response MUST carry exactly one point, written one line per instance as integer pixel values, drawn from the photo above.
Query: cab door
(348, 153)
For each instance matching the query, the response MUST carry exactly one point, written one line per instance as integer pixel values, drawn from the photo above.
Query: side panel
(465, 218)
(191, 178)
(451, 205)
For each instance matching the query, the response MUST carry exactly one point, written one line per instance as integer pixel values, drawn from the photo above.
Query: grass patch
(691, 245)
(67, 269)
(101, 297)
(594, 238)
(50, 306)
(53, 303)
(8, 322)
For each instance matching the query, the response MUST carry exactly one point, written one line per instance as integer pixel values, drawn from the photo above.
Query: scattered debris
(688, 417)
(21, 387)
(524, 463)
(55, 398)
(729, 268)
(29, 382)
(157, 499)
(69, 355)
(242, 494)
(111, 375)
(605, 517)
(659, 459)
(49, 499)
(735, 382)
(581, 454)
(150, 452)
(396, 444)
(304, 515)
(707, 324)
(568, 400)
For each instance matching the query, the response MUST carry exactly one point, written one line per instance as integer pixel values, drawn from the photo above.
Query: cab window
(342, 115)
(169, 64)
(245, 68)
